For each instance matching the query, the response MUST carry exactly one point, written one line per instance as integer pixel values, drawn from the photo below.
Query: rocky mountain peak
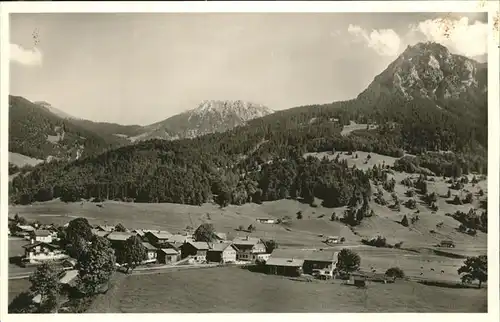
(429, 70)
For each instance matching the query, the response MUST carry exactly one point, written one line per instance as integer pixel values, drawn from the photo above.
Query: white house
(266, 220)
(249, 248)
(37, 252)
(42, 235)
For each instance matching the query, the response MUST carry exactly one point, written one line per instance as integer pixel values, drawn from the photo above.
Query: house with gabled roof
(100, 233)
(118, 237)
(197, 250)
(151, 252)
(157, 238)
(24, 230)
(284, 266)
(222, 253)
(323, 260)
(41, 235)
(249, 248)
(37, 252)
(168, 255)
(107, 228)
(220, 237)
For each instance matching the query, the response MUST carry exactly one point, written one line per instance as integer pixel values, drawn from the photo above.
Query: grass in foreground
(236, 290)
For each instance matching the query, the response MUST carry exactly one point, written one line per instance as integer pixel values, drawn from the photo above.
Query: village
(165, 250)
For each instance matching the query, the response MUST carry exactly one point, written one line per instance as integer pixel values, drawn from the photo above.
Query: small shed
(447, 243)
(168, 255)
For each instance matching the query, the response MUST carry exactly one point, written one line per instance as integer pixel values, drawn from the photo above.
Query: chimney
(247, 237)
(32, 241)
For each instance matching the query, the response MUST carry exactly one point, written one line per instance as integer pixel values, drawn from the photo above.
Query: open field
(234, 289)
(21, 160)
(353, 126)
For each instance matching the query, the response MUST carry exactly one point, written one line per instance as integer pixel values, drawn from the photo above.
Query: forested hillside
(36, 132)
(263, 159)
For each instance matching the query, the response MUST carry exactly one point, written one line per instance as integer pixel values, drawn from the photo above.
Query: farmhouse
(249, 248)
(100, 233)
(42, 236)
(220, 237)
(266, 220)
(198, 250)
(447, 243)
(107, 228)
(157, 238)
(151, 253)
(118, 237)
(324, 260)
(168, 255)
(222, 253)
(24, 230)
(284, 266)
(332, 240)
(37, 252)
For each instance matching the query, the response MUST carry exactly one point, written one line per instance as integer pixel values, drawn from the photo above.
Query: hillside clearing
(20, 160)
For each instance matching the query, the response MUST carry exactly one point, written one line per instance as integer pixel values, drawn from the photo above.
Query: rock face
(209, 117)
(429, 70)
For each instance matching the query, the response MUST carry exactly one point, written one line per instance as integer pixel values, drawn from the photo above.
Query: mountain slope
(262, 160)
(208, 117)
(429, 70)
(37, 132)
(54, 110)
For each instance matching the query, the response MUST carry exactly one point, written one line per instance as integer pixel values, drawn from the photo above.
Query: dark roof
(148, 246)
(199, 245)
(169, 251)
(29, 246)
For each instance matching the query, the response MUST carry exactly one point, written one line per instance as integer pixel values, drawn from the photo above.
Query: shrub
(395, 272)
(379, 241)
(410, 193)
(404, 221)
(468, 198)
(398, 245)
(411, 204)
(299, 215)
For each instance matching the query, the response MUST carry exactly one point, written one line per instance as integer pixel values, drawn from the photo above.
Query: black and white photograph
(249, 162)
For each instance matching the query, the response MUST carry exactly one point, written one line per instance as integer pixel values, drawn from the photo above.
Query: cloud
(385, 42)
(457, 34)
(24, 56)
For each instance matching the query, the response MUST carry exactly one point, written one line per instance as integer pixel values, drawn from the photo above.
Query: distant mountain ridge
(210, 116)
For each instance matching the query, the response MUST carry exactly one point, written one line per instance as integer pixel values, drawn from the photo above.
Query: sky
(142, 68)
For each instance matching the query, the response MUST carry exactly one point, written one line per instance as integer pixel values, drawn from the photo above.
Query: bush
(404, 221)
(411, 204)
(395, 272)
(468, 198)
(398, 245)
(379, 241)
(410, 193)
